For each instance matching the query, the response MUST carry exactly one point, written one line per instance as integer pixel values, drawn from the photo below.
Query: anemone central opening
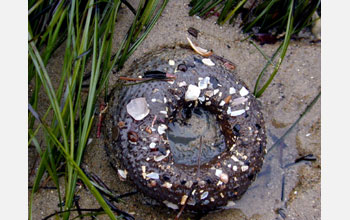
(184, 138)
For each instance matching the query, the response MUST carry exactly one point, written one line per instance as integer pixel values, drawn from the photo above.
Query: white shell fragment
(222, 103)
(192, 93)
(153, 175)
(162, 128)
(244, 168)
(167, 185)
(239, 100)
(122, 173)
(199, 50)
(204, 195)
(218, 172)
(152, 145)
(203, 83)
(208, 62)
(224, 178)
(138, 108)
(171, 62)
(161, 157)
(232, 90)
(238, 112)
(243, 91)
(181, 84)
(170, 204)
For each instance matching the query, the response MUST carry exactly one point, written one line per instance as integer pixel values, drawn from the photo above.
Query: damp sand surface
(283, 189)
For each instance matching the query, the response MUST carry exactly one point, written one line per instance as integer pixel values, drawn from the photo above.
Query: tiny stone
(232, 90)
(218, 172)
(171, 62)
(152, 145)
(153, 175)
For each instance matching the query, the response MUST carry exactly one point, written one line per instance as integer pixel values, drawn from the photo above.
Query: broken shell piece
(243, 91)
(192, 93)
(232, 90)
(170, 204)
(153, 175)
(224, 178)
(167, 185)
(183, 199)
(162, 128)
(161, 157)
(152, 145)
(171, 62)
(181, 84)
(239, 101)
(222, 103)
(122, 174)
(218, 172)
(209, 93)
(204, 195)
(199, 50)
(238, 112)
(138, 108)
(203, 83)
(244, 168)
(208, 62)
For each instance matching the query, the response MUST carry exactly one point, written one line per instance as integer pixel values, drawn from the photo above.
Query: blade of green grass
(283, 53)
(240, 4)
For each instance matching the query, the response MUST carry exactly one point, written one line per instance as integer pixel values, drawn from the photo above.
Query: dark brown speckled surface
(244, 135)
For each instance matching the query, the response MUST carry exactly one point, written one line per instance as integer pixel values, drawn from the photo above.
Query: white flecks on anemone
(222, 103)
(163, 112)
(218, 172)
(203, 83)
(138, 108)
(170, 204)
(239, 101)
(244, 168)
(209, 93)
(122, 173)
(167, 185)
(243, 91)
(161, 157)
(162, 128)
(171, 62)
(238, 112)
(224, 178)
(181, 84)
(232, 90)
(192, 93)
(201, 98)
(234, 168)
(153, 175)
(208, 62)
(204, 195)
(216, 91)
(152, 145)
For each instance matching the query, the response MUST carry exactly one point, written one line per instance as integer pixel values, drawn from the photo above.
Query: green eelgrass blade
(240, 4)
(249, 26)
(210, 7)
(262, 53)
(264, 69)
(295, 123)
(284, 50)
(82, 175)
